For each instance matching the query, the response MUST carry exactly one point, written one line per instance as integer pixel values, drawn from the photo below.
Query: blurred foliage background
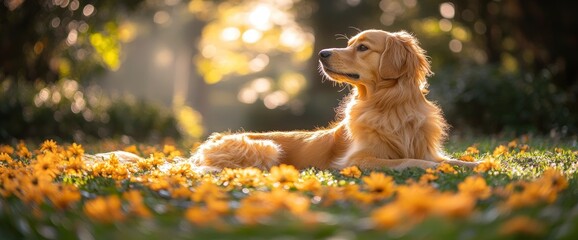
(147, 70)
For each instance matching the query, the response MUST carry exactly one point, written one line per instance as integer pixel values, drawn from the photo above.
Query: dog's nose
(325, 53)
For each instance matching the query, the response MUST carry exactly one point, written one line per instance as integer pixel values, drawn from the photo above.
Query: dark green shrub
(69, 112)
(486, 100)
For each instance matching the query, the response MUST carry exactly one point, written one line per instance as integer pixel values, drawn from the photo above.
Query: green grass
(347, 217)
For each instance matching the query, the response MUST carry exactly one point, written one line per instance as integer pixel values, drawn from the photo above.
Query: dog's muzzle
(324, 54)
(324, 57)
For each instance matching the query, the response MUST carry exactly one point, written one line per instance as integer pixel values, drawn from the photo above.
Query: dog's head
(375, 59)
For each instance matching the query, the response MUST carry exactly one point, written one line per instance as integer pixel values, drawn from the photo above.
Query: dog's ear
(393, 59)
(403, 57)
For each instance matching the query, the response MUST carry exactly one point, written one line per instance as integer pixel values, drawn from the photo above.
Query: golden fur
(386, 122)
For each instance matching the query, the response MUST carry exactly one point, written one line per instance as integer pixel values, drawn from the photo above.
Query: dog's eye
(362, 48)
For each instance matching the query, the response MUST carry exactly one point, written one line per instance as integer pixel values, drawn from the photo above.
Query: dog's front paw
(470, 164)
(461, 163)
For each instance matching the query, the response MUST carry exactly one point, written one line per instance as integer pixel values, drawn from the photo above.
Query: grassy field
(525, 188)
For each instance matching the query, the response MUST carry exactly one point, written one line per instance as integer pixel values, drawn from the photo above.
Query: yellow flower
(227, 176)
(519, 200)
(260, 206)
(467, 158)
(167, 149)
(113, 160)
(454, 205)
(476, 187)
(522, 225)
(294, 202)
(468, 154)
(64, 196)
(6, 149)
(207, 190)
(257, 207)
(363, 197)
(513, 143)
(428, 177)
(131, 149)
(516, 195)
(352, 171)
(148, 150)
(49, 146)
(500, 150)
(157, 184)
(388, 216)
(219, 206)
(543, 189)
(171, 152)
(4, 157)
(9, 182)
(104, 209)
(182, 169)
(379, 185)
(309, 185)
(173, 155)
(33, 189)
(523, 148)
(283, 175)
(45, 165)
(120, 173)
(511, 188)
(145, 164)
(176, 180)
(248, 177)
(136, 203)
(75, 151)
(22, 151)
(111, 168)
(489, 164)
(201, 216)
(471, 150)
(416, 200)
(446, 168)
(180, 191)
(75, 166)
(331, 194)
(555, 178)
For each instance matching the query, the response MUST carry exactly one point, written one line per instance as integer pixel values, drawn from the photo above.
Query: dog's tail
(218, 152)
(236, 151)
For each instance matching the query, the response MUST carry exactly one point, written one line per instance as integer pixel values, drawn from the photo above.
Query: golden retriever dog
(386, 121)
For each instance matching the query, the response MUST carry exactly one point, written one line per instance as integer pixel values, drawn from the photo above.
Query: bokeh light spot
(259, 18)
(252, 36)
(230, 34)
(162, 17)
(455, 45)
(259, 63)
(445, 25)
(275, 99)
(247, 95)
(88, 10)
(447, 10)
(261, 85)
(164, 57)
